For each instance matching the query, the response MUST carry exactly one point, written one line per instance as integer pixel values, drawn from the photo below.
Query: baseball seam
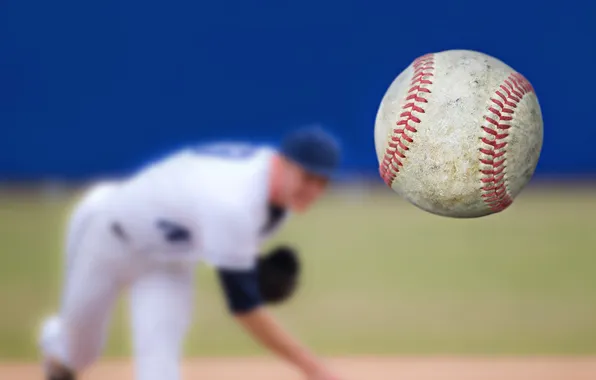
(495, 185)
(401, 137)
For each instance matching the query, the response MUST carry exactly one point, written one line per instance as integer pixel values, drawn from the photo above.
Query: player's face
(305, 189)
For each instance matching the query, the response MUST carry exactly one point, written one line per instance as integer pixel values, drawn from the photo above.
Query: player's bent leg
(161, 308)
(74, 339)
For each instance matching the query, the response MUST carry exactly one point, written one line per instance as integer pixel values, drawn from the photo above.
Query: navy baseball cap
(313, 148)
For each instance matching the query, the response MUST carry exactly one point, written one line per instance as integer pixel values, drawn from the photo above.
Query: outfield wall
(94, 88)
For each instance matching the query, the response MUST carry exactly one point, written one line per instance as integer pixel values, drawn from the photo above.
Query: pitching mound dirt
(361, 368)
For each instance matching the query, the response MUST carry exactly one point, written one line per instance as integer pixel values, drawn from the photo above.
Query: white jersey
(207, 204)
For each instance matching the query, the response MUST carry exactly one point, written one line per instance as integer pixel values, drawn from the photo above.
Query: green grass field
(381, 277)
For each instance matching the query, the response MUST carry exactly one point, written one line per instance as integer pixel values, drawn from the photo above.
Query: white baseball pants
(99, 267)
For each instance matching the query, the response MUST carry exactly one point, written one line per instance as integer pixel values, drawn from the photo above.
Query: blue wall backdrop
(88, 88)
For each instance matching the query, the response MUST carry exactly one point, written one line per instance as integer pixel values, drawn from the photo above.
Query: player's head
(309, 157)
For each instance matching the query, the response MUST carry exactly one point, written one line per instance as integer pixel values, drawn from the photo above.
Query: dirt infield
(443, 368)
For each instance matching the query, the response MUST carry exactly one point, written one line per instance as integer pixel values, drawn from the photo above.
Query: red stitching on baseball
(395, 152)
(494, 181)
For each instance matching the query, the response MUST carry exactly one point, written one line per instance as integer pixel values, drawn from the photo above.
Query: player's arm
(231, 244)
(245, 303)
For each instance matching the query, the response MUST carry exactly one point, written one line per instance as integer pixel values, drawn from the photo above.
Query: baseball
(458, 133)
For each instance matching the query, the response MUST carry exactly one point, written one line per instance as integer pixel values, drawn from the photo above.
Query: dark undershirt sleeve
(241, 289)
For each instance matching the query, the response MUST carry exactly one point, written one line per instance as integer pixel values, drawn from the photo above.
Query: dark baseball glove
(278, 272)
